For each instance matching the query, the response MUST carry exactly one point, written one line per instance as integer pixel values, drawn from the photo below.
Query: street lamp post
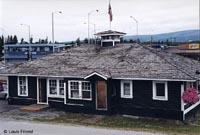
(29, 31)
(29, 36)
(94, 29)
(94, 32)
(52, 15)
(136, 21)
(4, 49)
(89, 23)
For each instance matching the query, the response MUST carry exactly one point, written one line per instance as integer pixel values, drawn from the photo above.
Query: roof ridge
(159, 55)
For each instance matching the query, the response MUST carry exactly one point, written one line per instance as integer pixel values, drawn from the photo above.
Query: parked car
(3, 91)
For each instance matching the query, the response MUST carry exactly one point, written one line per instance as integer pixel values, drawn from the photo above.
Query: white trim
(110, 40)
(153, 79)
(122, 89)
(65, 96)
(110, 34)
(155, 97)
(95, 73)
(8, 87)
(38, 100)
(57, 95)
(120, 78)
(47, 76)
(191, 107)
(80, 90)
(18, 87)
(182, 103)
(38, 91)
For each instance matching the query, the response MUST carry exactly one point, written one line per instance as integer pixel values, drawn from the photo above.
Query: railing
(189, 107)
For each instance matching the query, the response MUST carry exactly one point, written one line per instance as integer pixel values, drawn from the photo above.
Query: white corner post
(182, 103)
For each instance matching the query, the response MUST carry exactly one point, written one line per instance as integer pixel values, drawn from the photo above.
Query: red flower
(190, 96)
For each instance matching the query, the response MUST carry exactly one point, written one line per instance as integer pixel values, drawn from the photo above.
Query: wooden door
(101, 92)
(42, 90)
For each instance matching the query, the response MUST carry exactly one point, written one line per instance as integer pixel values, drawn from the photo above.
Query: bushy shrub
(190, 96)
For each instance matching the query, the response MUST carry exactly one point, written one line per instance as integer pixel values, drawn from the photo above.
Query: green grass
(120, 122)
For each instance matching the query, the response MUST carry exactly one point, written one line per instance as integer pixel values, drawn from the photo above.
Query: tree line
(12, 39)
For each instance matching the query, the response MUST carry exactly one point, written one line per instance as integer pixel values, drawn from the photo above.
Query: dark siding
(143, 104)
(13, 91)
(12, 86)
(32, 87)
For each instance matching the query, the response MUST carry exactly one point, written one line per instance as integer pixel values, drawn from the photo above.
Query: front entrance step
(34, 108)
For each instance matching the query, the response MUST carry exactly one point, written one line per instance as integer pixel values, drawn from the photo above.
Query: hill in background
(180, 36)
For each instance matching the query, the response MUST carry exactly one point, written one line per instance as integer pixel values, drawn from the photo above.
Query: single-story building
(126, 79)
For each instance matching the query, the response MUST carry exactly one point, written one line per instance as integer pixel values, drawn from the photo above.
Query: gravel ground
(12, 112)
(4, 107)
(16, 114)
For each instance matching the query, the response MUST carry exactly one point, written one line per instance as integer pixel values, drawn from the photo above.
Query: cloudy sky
(154, 16)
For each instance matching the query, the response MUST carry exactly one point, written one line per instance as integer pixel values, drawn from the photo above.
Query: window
(160, 90)
(126, 89)
(56, 87)
(46, 49)
(61, 87)
(74, 88)
(53, 87)
(86, 90)
(22, 86)
(79, 90)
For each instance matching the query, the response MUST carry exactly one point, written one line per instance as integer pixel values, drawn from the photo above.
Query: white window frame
(61, 87)
(26, 79)
(57, 95)
(162, 98)
(56, 86)
(80, 90)
(122, 89)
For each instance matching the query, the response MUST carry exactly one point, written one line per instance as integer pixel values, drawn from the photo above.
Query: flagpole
(110, 13)
(110, 25)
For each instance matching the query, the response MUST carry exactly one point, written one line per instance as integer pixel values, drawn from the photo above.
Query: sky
(153, 16)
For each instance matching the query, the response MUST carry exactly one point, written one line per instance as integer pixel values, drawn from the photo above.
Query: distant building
(110, 38)
(24, 52)
(190, 46)
(191, 50)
